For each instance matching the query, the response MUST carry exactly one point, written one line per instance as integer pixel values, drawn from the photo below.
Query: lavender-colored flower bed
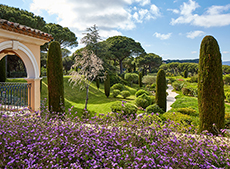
(41, 142)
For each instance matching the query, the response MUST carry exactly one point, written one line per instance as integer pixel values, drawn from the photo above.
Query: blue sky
(172, 29)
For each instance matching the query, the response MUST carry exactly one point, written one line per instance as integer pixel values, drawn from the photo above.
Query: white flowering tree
(90, 66)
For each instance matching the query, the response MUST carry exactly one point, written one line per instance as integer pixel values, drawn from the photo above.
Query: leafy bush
(227, 95)
(125, 93)
(171, 80)
(140, 92)
(124, 109)
(149, 119)
(143, 101)
(115, 93)
(118, 86)
(178, 117)
(131, 77)
(153, 99)
(185, 91)
(193, 91)
(178, 85)
(226, 79)
(188, 111)
(154, 109)
(193, 79)
(149, 79)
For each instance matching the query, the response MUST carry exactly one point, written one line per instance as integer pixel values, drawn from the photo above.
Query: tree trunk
(121, 66)
(87, 96)
(149, 69)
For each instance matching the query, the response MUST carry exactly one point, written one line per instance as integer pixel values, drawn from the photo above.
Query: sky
(172, 29)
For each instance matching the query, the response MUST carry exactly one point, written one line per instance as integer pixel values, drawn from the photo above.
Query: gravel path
(171, 97)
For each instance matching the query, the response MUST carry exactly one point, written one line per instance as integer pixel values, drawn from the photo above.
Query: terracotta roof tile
(16, 27)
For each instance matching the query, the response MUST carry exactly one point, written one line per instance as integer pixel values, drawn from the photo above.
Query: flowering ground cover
(104, 142)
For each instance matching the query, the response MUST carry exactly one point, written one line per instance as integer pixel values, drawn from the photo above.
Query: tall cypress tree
(210, 86)
(55, 78)
(161, 90)
(140, 79)
(3, 70)
(107, 84)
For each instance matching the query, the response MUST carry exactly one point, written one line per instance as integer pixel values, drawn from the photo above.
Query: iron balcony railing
(15, 96)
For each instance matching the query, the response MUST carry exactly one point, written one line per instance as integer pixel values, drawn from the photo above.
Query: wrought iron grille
(15, 96)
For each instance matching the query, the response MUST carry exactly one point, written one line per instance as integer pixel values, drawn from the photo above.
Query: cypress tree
(210, 87)
(140, 79)
(161, 90)
(97, 83)
(185, 74)
(3, 70)
(55, 78)
(107, 84)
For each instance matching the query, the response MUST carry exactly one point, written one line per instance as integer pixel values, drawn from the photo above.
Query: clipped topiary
(107, 84)
(55, 78)
(140, 79)
(125, 93)
(115, 93)
(143, 101)
(210, 87)
(118, 86)
(161, 90)
(154, 109)
(140, 92)
(3, 70)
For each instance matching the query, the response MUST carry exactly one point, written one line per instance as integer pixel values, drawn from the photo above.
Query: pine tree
(55, 78)
(161, 90)
(210, 87)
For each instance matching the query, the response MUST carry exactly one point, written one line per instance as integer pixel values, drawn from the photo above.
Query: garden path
(171, 97)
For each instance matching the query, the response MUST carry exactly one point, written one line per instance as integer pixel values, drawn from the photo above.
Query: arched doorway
(24, 42)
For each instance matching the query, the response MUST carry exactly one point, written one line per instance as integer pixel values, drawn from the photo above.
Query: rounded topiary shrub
(140, 92)
(118, 86)
(210, 86)
(154, 109)
(188, 111)
(115, 93)
(143, 101)
(125, 94)
(123, 109)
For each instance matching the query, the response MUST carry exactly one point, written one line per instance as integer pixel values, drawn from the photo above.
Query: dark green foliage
(143, 101)
(3, 70)
(140, 79)
(55, 78)
(118, 86)
(178, 85)
(161, 90)
(125, 93)
(185, 91)
(185, 74)
(188, 111)
(97, 83)
(124, 109)
(140, 92)
(210, 86)
(107, 84)
(131, 77)
(154, 109)
(115, 93)
(143, 72)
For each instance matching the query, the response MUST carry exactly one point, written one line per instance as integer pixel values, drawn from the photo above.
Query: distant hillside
(226, 63)
(182, 61)
(191, 61)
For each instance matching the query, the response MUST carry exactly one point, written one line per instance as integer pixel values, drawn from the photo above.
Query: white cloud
(108, 15)
(194, 52)
(162, 36)
(213, 16)
(176, 11)
(194, 34)
(225, 52)
(143, 2)
(145, 14)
